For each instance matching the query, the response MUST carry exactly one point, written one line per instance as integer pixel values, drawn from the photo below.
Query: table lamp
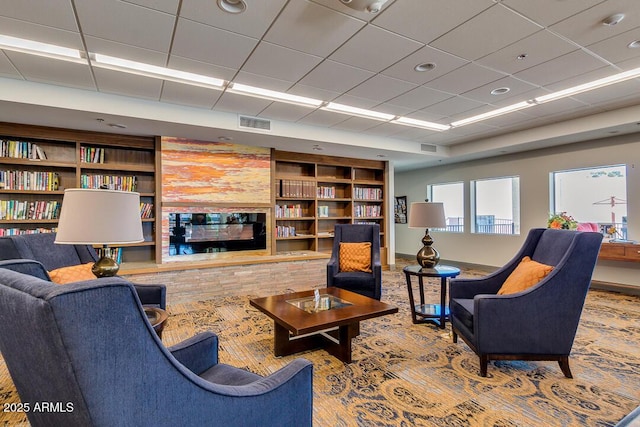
(98, 216)
(427, 215)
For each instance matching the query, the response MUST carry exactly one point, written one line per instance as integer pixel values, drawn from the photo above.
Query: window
(593, 195)
(452, 196)
(495, 206)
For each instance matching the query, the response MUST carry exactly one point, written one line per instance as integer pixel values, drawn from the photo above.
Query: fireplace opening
(211, 232)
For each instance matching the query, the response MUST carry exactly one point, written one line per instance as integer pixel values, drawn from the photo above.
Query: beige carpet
(413, 375)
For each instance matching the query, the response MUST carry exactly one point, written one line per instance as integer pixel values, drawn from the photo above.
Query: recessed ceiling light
(232, 6)
(500, 91)
(634, 44)
(427, 66)
(612, 20)
(521, 56)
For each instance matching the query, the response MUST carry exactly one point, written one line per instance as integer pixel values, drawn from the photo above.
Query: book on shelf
(23, 210)
(21, 150)
(367, 210)
(367, 193)
(111, 182)
(323, 211)
(146, 210)
(19, 231)
(296, 188)
(113, 253)
(91, 154)
(289, 211)
(285, 231)
(29, 180)
(326, 192)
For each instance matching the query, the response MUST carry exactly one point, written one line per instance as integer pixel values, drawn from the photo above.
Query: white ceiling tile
(381, 88)
(222, 47)
(280, 62)
(109, 81)
(430, 19)
(538, 48)
(319, 30)
(561, 68)
(50, 13)
(554, 108)
(313, 92)
(6, 67)
(36, 32)
(167, 6)
(285, 112)
(451, 106)
(444, 63)
(464, 42)
(465, 78)
(429, 116)
(234, 103)
(356, 124)
(136, 25)
(608, 94)
(323, 118)
(258, 80)
(360, 14)
(40, 69)
(548, 12)
(615, 49)
(334, 76)
(192, 96)
(125, 51)
(355, 101)
(483, 93)
(375, 49)
(419, 98)
(198, 67)
(586, 28)
(253, 22)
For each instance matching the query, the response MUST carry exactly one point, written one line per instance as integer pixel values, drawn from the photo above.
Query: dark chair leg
(564, 366)
(455, 336)
(484, 361)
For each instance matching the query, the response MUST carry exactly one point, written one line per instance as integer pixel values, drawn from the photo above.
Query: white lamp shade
(427, 215)
(96, 216)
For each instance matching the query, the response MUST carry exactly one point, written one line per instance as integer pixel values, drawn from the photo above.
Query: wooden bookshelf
(322, 191)
(121, 158)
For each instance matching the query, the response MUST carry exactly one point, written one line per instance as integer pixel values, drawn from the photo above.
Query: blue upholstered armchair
(89, 346)
(538, 323)
(41, 247)
(367, 284)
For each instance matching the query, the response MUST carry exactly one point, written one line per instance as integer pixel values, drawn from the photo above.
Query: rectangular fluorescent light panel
(494, 113)
(41, 49)
(596, 84)
(421, 124)
(273, 95)
(347, 109)
(148, 70)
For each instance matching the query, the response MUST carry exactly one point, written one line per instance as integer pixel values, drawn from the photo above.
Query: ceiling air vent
(428, 147)
(254, 123)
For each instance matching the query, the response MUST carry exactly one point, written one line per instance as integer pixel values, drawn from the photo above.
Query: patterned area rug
(413, 375)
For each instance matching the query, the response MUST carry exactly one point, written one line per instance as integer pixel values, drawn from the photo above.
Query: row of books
(367, 210)
(146, 210)
(111, 182)
(19, 231)
(22, 209)
(289, 211)
(91, 154)
(295, 188)
(21, 150)
(326, 192)
(323, 211)
(367, 193)
(113, 253)
(29, 180)
(285, 231)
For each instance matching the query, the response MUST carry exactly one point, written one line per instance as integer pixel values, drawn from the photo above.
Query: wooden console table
(620, 252)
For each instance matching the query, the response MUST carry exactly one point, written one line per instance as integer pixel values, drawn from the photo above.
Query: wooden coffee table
(300, 324)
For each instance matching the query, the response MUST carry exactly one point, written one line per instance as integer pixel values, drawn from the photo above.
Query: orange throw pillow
(526, 274)
(355, 257)
(73, 273)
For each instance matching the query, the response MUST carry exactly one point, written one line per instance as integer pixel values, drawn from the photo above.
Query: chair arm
(26, 266)
(333, 268)
(155, 295)
(198, 353)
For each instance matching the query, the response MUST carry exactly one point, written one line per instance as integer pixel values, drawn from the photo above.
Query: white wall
(533, 168)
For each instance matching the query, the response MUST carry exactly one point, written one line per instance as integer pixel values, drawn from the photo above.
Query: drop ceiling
(325, 50)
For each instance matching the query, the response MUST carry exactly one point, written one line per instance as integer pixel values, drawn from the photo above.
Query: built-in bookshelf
(314, 193)
(38, 163)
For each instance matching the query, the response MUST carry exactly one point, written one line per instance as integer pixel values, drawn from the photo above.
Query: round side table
(430, 313)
